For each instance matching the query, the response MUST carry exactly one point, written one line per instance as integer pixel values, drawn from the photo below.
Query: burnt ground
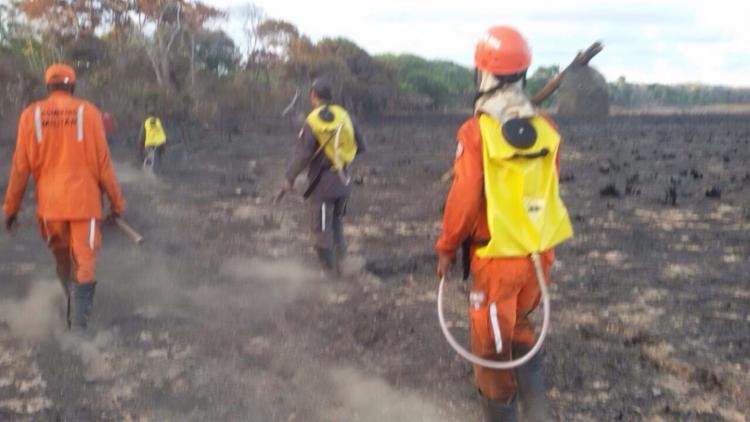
(221, 314)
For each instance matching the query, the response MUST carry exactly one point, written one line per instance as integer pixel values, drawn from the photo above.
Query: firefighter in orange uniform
(504, 205)
(62, 145)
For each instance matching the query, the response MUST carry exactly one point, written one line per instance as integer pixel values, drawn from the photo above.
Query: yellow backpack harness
(335, 137)
(155, 135)
(524, 211)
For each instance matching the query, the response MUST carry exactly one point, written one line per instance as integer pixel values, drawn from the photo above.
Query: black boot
(495, 411)
(328, 260)
(82, 305)
(65, 283)
(338, 261)
(531, 388)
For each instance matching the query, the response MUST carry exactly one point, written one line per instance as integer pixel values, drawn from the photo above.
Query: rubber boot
(531, 388)
(496, 411)
(328, 260)
(338, 239)
(82, 305)
(340, 257)
(65, 283)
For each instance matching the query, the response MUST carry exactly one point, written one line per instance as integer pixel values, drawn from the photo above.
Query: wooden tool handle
(582, 59)
(129, 231)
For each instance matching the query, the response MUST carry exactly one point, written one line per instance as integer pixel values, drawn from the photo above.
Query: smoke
(372, 399)
(33, 318)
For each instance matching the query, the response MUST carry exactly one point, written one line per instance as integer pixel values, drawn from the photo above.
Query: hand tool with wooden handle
(129, 231)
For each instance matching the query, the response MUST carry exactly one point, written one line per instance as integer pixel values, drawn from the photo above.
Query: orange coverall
(62, 145)
(509, 282)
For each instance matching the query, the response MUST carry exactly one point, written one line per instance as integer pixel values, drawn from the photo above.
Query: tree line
(172, 56)
(636, 95)
(627, 94)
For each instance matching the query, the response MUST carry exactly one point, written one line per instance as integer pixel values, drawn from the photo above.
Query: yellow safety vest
(155, 135)
(524, 211)
(341, 147)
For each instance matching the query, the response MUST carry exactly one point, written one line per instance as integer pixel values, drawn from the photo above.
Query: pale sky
(665, 41)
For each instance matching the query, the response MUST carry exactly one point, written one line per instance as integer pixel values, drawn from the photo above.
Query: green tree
(440, 84)
(216, 52)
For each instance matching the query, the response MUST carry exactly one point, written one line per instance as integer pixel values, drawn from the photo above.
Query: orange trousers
(74, 245)
(511, 285)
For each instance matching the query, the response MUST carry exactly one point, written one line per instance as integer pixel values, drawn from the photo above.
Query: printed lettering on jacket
(59, 117)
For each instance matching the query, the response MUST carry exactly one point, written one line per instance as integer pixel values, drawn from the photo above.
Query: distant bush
(623, 93)
(436, 85)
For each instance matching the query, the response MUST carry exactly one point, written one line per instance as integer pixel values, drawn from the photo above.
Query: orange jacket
(465, 212)
(61, 143)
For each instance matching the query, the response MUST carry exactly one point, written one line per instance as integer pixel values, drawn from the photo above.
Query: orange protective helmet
(502, 51)
(60, 74)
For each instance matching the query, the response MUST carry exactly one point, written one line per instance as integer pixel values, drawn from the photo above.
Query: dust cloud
(33, 318)
(369, 399)
(95, 354)
(257, 285)
(282, 279)
(40, 316)
(252, 285)
(152, 286)
(128, 174)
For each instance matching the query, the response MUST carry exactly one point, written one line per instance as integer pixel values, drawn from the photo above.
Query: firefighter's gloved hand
(11, 223)
(444, 266)
(112, 217)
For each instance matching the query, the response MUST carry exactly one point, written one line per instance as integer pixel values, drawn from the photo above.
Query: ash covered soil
(222, 314)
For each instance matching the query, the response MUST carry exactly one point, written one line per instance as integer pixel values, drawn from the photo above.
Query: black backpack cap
(326, 114)
(519, 133)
